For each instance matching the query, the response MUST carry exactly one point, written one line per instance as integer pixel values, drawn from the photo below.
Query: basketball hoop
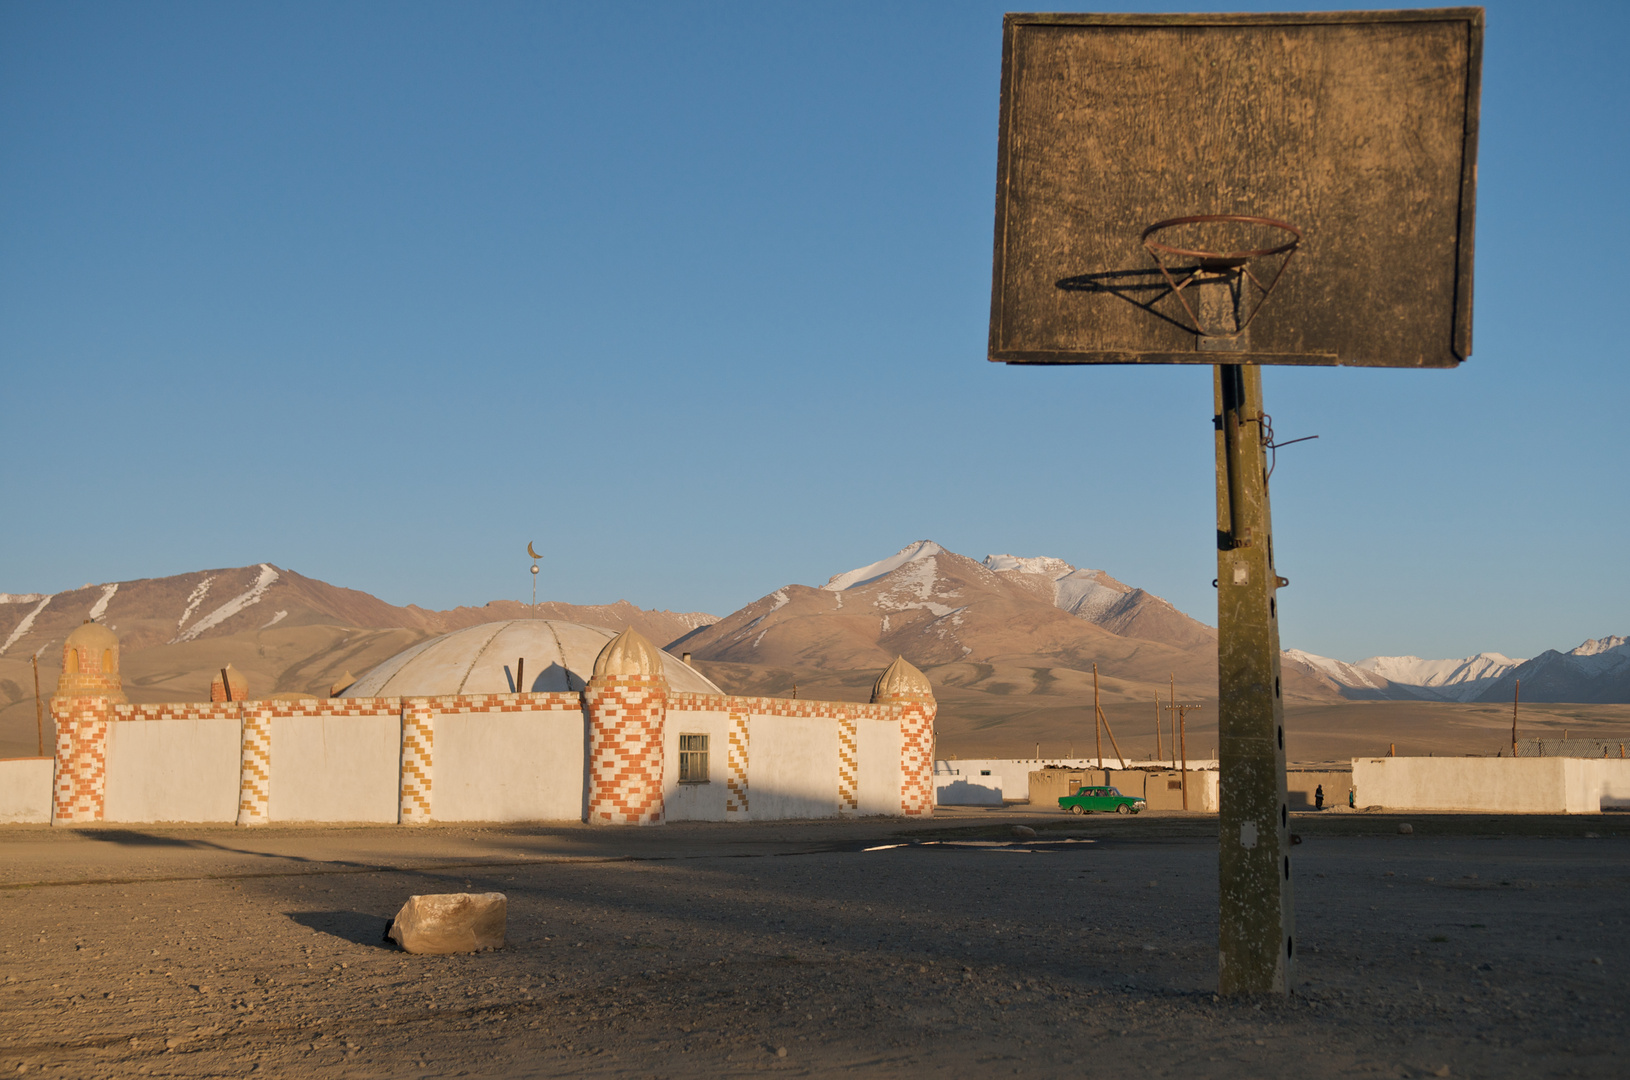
(1225, 267)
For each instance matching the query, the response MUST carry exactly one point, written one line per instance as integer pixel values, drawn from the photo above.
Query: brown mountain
(1009, 644)
(286, 632)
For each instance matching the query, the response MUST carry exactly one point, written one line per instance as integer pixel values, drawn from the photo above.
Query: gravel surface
(1473, 947)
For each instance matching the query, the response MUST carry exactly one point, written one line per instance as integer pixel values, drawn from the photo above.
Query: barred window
(693, 759)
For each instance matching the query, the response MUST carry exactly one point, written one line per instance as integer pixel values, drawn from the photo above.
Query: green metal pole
(1256, 945)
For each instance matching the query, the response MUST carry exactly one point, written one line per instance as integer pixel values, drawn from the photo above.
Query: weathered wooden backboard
(1359, 128)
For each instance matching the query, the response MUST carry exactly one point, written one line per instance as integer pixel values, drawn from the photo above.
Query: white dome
(481, 660)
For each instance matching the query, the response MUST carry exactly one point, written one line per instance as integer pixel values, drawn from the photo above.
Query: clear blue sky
(695, 297)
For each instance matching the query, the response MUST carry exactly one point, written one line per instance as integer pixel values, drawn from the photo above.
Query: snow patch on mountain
(912, 588)
(865, 575)
(238, 603)
(100, 608)
(1080, 592)
(194, 598)
(20, 597)
(1039, 564)
(23, 627)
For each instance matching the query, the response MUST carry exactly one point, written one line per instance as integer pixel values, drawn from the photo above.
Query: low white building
(1498, 785)
(520, 721)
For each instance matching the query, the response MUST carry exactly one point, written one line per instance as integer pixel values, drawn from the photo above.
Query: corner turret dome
(901, 680)
(90, 664)
(629, 653)
(553, 656)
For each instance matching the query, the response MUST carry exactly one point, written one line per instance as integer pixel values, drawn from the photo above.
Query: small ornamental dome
(628, 654)
(90, 664)
(235, 680)
(901, 680)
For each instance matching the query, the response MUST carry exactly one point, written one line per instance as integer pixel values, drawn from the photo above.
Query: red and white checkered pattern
(848, 766)
(418, 762)
(735, 775)
(255, 765)
(626, 718)
(82, 758)
(917, 757)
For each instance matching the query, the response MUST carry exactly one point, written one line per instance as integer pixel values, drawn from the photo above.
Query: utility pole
(1104, 720)
(39, 714)
(1515, 694)
(1097, 724)
(1256, 907)
(1182, 739)
(1171, 698)
(1158, 752)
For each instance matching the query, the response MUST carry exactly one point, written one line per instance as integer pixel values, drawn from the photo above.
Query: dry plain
(1474, 947)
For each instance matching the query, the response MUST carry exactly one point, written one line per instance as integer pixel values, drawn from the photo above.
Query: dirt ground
(1475, 947)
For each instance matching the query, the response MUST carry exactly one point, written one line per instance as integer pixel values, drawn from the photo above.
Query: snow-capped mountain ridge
(1596, 646)
(1343, 674)
(865, 575)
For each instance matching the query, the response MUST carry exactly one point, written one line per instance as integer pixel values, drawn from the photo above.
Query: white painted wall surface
(957, 788)
(792, 768)
(172, 770)
(1203, 788)
(1018, 770)
(25, 790)
(1495, 785)
(698, 802)
(1596, 784)
(524, 766)
(878, 745)
(335, 768)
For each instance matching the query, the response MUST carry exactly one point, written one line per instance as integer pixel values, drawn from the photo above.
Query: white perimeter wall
(701, 802)
(878, 744)
(25, 790)
(525, 766)
(335, 768)
(1495, 785)
(792, 767)
(173, 770)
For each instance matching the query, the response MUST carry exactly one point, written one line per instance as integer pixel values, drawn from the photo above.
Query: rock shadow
(357, 927)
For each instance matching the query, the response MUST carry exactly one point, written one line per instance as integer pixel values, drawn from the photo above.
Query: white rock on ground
(451, 923)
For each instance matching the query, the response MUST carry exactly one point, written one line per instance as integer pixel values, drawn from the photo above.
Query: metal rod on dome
(532, 551)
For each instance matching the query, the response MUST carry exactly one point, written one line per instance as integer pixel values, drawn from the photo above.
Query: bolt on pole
(1256, 945)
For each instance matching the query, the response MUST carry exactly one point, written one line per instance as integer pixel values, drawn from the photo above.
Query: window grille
(693, 759)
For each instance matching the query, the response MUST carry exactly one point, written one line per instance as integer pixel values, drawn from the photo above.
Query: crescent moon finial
(531, 552)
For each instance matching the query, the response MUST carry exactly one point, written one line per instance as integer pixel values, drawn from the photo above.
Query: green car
(1089, 799)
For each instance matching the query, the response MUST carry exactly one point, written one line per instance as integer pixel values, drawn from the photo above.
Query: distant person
(1352, 799)
(1318, 797)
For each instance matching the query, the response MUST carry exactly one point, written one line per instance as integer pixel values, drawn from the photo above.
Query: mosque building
(525, 720)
